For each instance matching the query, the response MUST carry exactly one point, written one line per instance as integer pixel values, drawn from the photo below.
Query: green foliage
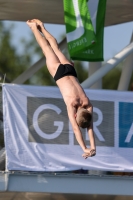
(111, 79)
(11, 63)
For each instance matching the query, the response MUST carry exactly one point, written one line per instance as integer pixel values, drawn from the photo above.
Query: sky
(115, 37)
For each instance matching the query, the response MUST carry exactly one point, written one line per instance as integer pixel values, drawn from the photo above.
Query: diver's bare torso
(72, 92)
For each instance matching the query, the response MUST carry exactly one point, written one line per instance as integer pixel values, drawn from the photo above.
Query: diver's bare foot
(32, 24)
(89, 153)
(40, 24)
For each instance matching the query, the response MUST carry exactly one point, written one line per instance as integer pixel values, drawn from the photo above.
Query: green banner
(85, 32)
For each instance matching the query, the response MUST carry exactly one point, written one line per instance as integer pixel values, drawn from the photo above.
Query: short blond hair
(84, 118)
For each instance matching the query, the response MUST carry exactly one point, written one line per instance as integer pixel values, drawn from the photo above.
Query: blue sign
(125, 125)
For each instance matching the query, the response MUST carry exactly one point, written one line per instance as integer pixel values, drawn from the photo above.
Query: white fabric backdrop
(38, 135)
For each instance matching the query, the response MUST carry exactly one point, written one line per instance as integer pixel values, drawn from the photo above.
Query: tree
(11, 63)
(111, 79)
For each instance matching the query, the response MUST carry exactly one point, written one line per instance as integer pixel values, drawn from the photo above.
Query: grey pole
(108, 66)
(127, 71)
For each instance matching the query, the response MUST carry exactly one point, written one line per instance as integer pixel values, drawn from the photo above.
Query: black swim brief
(65, 70)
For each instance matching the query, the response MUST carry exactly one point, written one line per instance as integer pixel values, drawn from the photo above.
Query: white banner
(39, 137)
